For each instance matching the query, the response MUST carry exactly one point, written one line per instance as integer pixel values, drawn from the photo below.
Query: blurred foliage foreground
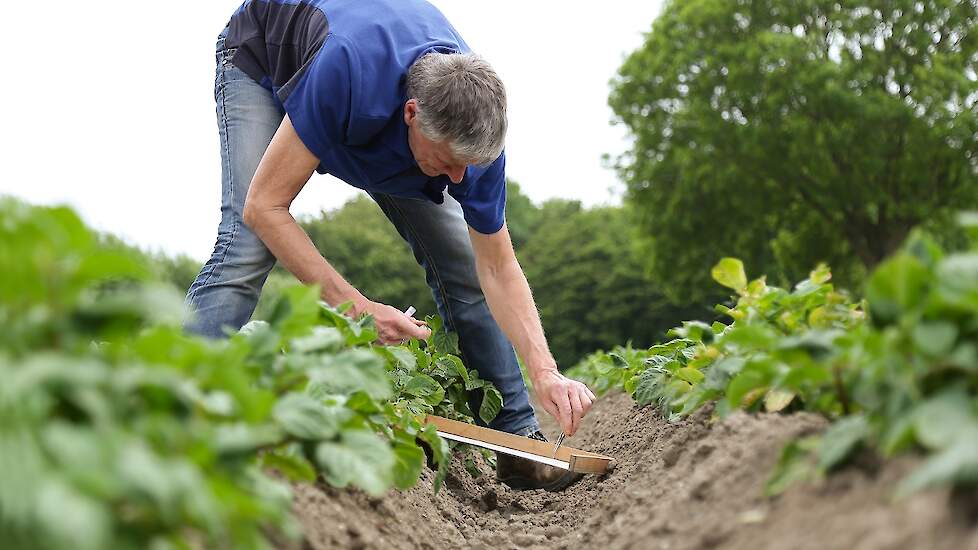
(896, 372)
(118, 431)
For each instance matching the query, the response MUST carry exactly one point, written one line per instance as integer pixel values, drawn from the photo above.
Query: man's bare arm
(283, 171)
(511, 303)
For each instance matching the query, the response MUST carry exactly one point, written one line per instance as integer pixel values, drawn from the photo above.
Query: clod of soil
(684, 485)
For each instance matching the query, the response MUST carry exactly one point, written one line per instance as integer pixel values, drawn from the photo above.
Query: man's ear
(410, 111)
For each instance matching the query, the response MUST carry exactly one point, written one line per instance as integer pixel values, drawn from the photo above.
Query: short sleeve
(319, 98)
(483, 199)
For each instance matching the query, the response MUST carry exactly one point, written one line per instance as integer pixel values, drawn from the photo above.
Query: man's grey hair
(462, 101)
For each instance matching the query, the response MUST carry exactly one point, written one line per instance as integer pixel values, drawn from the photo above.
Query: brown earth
(682, 485)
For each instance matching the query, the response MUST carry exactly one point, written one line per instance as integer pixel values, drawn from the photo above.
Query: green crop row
(896, 372)
(119, 431)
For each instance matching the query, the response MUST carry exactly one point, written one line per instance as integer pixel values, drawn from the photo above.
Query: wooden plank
(590, 464)
(576, 459)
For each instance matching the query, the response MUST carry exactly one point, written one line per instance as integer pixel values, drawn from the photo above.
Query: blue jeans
(226, 291)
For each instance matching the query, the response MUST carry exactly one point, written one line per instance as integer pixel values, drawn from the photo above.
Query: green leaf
(360, 458)
(240, 438)
(750, 337)
(820, 275)
(749, 379)
(150, 475)
(794, 465)
(957, 464)
(935, 338)
(964, 356)
(293, 466)
(404, 357)
(492, 403)
(840, 440)
(474, 383)
(322, 339)
(696, 331)
(777, 400)
(363, 403)
(76, 447)
(648, 386)
(896, 287)
(957, 281)
(943, 420)
(898, 435)
(691, 375)
(676, 388)
(425, 387)
(817, 343)
(720, 373)
(440, 450)
(409, 459)
(70, 519)
(351, 371)
(729, 272)
(454, 365)
(446, 342)
(304, 417)
(441, 339)
(670, 348)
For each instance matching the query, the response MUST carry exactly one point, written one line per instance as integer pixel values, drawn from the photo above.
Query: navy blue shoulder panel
(275, 39)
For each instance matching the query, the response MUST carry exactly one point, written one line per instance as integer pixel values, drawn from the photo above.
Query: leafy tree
(521, 214)
(178, 271)
(588, 282)
(788, 133)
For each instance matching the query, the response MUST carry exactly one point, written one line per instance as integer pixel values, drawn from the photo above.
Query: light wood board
(567, 458)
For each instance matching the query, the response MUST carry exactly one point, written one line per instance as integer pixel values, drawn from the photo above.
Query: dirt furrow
(683, 485)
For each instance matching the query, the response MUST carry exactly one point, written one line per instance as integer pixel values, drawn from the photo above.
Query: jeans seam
(222, 85)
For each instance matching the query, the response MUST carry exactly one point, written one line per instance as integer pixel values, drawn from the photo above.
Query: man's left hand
(565, 399)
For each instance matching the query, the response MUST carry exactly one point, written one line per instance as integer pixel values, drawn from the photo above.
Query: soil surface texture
(682, 485)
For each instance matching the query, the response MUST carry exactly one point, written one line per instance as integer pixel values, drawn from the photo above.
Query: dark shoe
(523, 473)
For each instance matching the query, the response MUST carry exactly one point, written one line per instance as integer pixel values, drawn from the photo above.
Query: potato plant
(896, 372)
(119, 431)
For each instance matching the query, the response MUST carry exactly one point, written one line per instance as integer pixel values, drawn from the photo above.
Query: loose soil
(680, 485)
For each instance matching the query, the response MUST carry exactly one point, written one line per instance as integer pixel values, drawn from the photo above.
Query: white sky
(109, 107)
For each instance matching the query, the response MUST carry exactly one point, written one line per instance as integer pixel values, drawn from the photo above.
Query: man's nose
(456, 173)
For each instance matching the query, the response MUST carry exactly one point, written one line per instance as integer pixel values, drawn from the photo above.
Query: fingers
(587, 399)
(549, 406)
(590, 394)
(416, 331)
(405, 329)
(562, 401)
(577, 410)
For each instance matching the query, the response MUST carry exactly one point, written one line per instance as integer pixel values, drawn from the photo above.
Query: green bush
(902, 377)
(119, 431)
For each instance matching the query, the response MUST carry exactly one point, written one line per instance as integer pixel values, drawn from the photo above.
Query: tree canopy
(788, 133)
(589, 284)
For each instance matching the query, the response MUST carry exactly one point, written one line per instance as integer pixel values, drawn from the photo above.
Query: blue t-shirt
(339, 68)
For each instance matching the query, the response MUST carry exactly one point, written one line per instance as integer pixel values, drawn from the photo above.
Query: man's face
(433, 157)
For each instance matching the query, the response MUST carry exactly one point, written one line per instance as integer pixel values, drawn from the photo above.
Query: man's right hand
(393, 326)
